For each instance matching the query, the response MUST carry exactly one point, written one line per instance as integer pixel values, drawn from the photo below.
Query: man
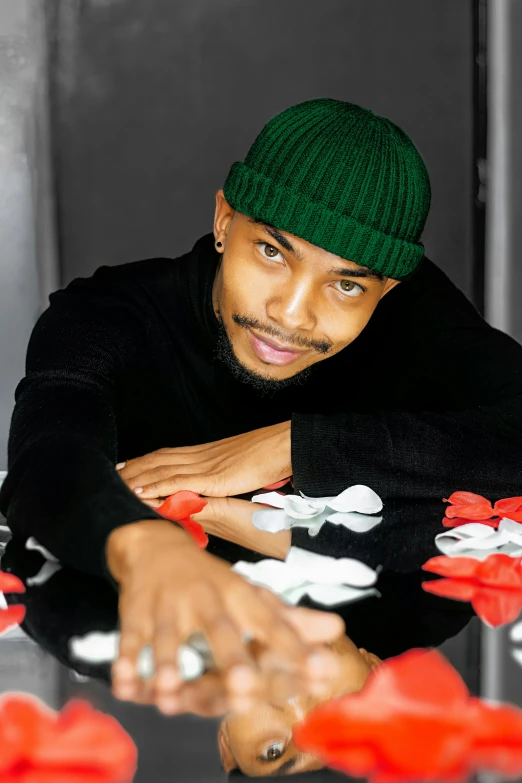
(209, 373)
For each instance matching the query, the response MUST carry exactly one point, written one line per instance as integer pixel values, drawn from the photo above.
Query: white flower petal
(270, 499)
(272, 520)
(515, 633)
(274, 574)
(359, 523)
(332, 595)
(517, 655)
(513, 530)
(48, 570)
(300, 508)
(357, 498)
(322, 569)
(32, 543)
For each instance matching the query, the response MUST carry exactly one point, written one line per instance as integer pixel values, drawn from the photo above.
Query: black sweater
(426, 400)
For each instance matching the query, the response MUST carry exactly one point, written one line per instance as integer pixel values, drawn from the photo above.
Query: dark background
(154, 100)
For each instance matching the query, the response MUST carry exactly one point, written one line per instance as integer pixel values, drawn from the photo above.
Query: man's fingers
(232, 658)
(150, 462)
(205, 697)
(135, 633)
(314, 626)
(260, 613)
(198, 483)
(161, 473)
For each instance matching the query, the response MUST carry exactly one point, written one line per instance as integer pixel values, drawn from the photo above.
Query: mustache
(321, 346)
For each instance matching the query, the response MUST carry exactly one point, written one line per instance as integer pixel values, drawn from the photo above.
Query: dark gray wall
(156, 99)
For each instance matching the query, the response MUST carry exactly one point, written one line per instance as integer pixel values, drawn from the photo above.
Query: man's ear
(228, 761)
(223, 216)
(390, 283)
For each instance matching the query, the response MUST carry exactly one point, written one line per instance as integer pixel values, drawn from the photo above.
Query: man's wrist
(125, 543)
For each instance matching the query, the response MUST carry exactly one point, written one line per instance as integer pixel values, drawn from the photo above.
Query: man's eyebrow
(274, 233)
(361, 271)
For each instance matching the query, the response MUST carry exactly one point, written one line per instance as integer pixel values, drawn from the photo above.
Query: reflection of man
(315, 255)
(259, 741)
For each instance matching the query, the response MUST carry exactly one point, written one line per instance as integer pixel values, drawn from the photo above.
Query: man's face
(259, 741)
(284, 304)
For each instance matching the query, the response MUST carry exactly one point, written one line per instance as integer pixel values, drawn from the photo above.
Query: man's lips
(269, 351)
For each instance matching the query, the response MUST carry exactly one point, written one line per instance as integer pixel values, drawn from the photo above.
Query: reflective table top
(400, 615)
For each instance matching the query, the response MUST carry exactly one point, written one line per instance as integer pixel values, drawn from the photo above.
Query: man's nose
(291, 308)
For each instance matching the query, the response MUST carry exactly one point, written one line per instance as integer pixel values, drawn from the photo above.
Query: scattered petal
(182, 505)
(271, 520)
(358, 523)
(493, 585)
(79, 743)
(9, 583)
(369, 734)
(11, 617)
(357, 498)
(32, 543)
(278, 484)
(44, 574)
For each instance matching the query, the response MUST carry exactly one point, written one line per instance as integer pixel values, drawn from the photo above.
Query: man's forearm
(410, 455)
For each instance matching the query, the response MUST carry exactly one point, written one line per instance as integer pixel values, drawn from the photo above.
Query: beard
(263, 384)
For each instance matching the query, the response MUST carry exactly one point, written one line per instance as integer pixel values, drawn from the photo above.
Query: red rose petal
(466, 499)
(79, 744)
(181, 505)
(11, 617)
(496, 606)
(278, 484)
(459, 567)
(9, 583)
(506, 505)
(413, 721)
(457, 589)
(500, 571)
(196, 531)
(476, 513)
(457, 521)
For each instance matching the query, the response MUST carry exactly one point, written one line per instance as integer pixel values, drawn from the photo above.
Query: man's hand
(169, 589)
(231, 519)
(233, 466)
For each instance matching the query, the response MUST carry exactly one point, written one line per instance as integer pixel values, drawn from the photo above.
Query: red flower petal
(181, 505)
(459, 567)
(77, 744)
(466, 499)
(496, 606)
(476, 513)
(457, 521)
(413, 720)
(9, 583)
(457, 589)
(11, 617)
(178, 508)
(506, 505)
(500, 571)
(278, 484)
(196, 531)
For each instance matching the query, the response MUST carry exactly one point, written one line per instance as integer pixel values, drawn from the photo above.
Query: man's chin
(261, 381)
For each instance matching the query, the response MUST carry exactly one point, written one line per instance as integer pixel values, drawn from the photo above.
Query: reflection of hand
(232, 466)
(231, 519)
(169, 589)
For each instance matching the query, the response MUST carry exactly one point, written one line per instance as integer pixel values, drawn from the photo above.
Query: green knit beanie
(340, 177)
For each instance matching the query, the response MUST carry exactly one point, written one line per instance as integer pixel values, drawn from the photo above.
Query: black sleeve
(62, 486)
(411, 455)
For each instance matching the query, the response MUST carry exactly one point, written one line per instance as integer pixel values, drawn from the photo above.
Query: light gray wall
(27, 260)
(157, 99)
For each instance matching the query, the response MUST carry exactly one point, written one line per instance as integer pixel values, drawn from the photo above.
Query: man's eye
(274, 751)
(357, 289)
(268, 251)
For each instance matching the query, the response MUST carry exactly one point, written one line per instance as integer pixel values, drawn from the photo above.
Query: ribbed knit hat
(340, 177)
